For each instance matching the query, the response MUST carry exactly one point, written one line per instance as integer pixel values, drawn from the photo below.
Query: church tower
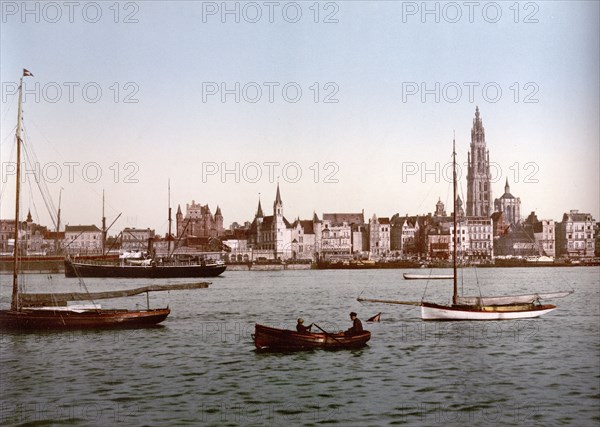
(179, 221)
(439, 208)
(479, 190)
(278, 204)
(219, 221)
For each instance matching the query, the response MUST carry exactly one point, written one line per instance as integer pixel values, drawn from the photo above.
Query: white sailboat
(490, 308)
(502, 307)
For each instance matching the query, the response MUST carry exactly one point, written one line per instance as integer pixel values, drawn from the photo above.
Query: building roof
(576, 216)
(339, 218)
(267, 224)
(307, 226)
(53, 235)
(81, 229)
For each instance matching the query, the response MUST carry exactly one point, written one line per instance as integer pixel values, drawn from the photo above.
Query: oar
(328, 334)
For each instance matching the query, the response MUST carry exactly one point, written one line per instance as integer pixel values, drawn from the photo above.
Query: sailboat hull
(90, 319)
(443, 312)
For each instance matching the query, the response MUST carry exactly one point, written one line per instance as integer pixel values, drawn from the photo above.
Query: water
(201, 367)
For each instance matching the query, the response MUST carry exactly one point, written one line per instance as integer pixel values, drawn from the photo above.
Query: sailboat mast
(14, 305)
(58, 221)
(170, 221)
(103, 226)
(455, 291)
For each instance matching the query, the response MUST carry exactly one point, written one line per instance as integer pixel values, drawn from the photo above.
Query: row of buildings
(488, 228)
(332, 236)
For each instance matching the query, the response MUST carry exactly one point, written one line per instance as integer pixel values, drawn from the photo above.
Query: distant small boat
(267, 338)
(408, 276)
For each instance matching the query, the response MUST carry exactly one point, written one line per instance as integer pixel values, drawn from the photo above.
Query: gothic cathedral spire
(278, 204)
(479, 190)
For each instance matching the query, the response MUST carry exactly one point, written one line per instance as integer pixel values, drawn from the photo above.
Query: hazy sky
(352, 105)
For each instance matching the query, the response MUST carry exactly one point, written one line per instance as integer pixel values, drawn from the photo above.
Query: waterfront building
(479, 190)
(543, 233)
(342, 235)
(438, 241)
(7, 235)
(34, 236)
(31, 236)
(53, 241)
(199, 221)
(135, 239)
(518, 241)
(379, 237)
(575, 235)
(409, 238)
(83, 239)
(501, 226)
(475, 238)
(270, 237)
(509, 205)
(304, 241)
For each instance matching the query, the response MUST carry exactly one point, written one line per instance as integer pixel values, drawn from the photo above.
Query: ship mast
(455, 290)
(170, 221)
(103, 226)
(56, 248)
(14, 305)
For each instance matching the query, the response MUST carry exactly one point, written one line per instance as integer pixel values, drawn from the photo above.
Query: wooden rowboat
(267, 338)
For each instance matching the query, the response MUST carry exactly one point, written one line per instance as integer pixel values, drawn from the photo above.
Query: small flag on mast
(375, 318)
(27, 73)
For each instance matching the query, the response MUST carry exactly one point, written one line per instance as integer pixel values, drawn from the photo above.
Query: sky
(349, 105)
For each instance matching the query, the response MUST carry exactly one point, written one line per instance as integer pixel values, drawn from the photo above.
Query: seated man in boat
(301, 328)
(357, 327)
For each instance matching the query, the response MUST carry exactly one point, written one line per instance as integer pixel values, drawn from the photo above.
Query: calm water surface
(200, 368)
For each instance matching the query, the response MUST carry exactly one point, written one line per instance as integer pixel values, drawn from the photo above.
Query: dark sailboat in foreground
(52, 311)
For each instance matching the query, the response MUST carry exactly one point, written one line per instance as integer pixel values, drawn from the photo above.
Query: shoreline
(57, 267)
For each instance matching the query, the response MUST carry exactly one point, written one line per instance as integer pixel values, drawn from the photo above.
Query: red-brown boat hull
(267, 338)
(93, 319)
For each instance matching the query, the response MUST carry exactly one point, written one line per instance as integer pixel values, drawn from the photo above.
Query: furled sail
(61, 299)
(510, 299)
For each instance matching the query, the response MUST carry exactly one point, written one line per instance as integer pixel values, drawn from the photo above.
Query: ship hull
(75, 269)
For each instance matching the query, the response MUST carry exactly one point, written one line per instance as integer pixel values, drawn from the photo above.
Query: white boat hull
(408, 276)
(452, 313)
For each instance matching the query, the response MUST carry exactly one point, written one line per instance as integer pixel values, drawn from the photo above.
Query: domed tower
(439, 208)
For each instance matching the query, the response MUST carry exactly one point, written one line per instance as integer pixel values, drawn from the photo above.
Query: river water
(201, 368)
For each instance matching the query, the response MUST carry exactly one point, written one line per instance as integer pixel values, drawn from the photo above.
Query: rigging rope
(426, 284)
